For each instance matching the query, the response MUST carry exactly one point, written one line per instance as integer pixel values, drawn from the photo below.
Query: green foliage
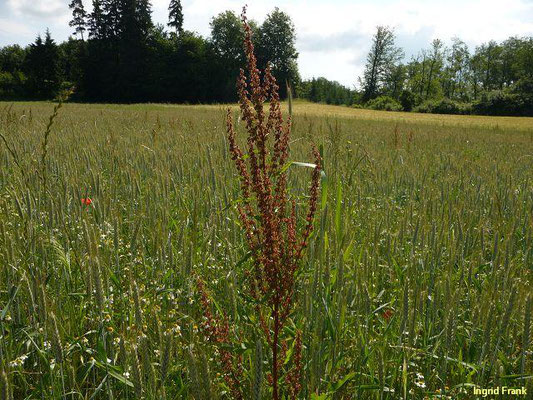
(444, 106)
(96, 21)
(71, 56)
(382, 61)
(128, 59)
(504, 102)
(42, 68)
(276, 44)
(455, 76)
(12, 85)
(321, 90)
(12, 58)
(191, 71)
(384, 103)
(79, 17)
(408, 100)
(175, 16)
(227, 36)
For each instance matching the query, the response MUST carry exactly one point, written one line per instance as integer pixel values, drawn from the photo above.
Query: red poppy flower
(86, 201)
(387, 314)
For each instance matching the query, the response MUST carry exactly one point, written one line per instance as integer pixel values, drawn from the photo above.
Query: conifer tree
(143, 16)
(111, 10)
(79, 17)
(96, 21)
(42, 66)
(175, 16)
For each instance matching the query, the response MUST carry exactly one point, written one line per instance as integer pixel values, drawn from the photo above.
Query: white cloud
(8, 27)
(46, 9)
(340, 65)
(12, 32)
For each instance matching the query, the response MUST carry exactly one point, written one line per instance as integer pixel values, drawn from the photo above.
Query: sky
(333, 36)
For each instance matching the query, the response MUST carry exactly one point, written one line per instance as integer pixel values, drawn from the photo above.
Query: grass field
(417, 282)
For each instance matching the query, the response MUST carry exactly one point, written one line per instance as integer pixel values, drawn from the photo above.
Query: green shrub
(11, 85)
(502, 102)
(444, 106)
(426, 107)
(408, 100)
(523, 86)
(384, 103)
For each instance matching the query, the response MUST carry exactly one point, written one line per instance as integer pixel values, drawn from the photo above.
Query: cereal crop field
(120, 242)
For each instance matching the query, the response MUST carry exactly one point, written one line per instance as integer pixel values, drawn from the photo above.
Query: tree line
(496, 79)
(117, 54)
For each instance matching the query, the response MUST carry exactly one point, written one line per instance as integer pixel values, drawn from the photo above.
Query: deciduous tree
(384, 55)
(276, 44)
